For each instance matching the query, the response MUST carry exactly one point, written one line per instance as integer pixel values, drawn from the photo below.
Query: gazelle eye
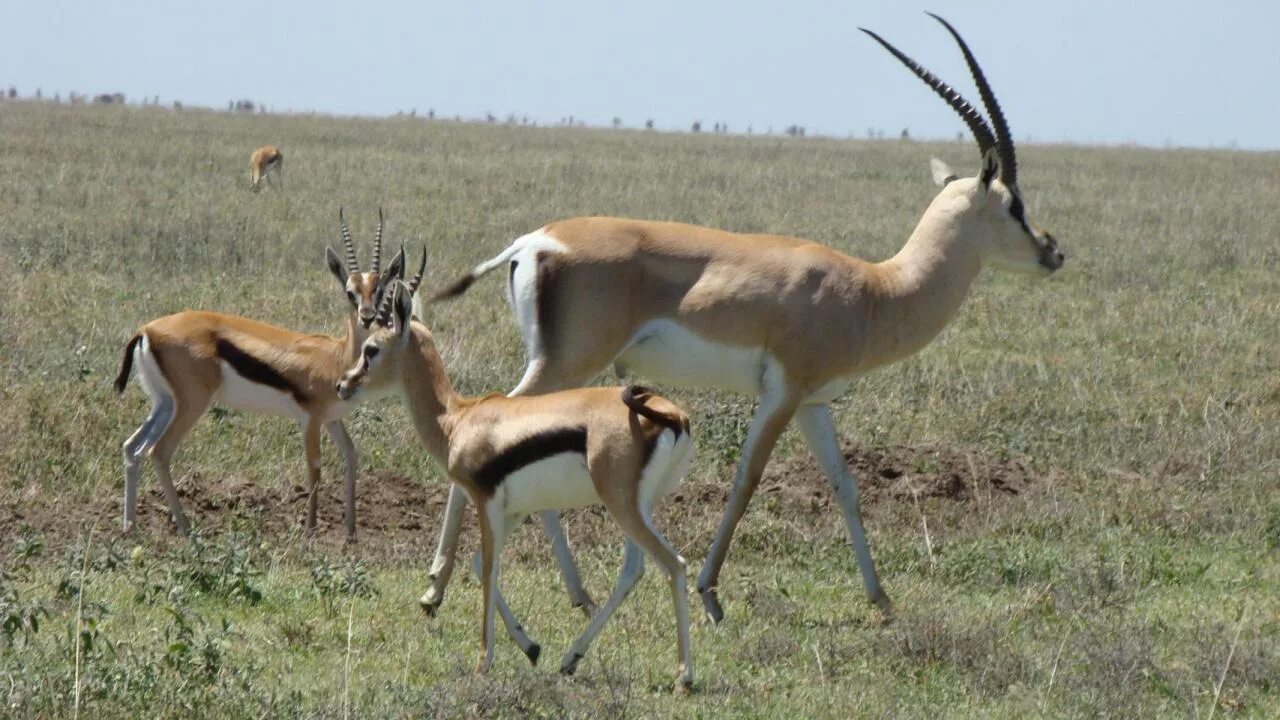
(351, 296)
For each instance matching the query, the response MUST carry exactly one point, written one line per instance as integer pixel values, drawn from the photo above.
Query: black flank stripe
(650, 444)
(539, 446)
(545, 299)
(254, 370)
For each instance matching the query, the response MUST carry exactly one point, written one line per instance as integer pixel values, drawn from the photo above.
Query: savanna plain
(1073, 494)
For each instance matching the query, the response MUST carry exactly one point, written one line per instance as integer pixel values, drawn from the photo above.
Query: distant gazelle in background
(264, 160)
(783, 319)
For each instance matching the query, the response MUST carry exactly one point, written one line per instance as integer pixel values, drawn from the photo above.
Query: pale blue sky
(1179, 72)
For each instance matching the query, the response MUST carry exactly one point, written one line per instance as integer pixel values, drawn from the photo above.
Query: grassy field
(1098, 533)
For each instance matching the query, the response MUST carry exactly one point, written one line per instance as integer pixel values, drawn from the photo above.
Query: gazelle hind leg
(632, 571)
(515, 630)
(819, 433)
(137, 445)
(184, 419)
(771, 418)
(639, 528)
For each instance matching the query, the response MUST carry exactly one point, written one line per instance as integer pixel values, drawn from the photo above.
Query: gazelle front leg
(775, 410)
(578, 596)
(819, 432)
(311, 442)
(515, 630)
(446, 550)
(338, 433)
(493, 532)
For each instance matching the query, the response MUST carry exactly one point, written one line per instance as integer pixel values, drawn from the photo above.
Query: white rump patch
(522, 285)
(668, 464)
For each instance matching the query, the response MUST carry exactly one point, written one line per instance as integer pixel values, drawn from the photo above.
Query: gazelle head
(1010, 241)
(378, 366)
(365, 290)
(382, 352)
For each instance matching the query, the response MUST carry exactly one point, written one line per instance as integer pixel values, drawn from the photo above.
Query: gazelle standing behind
(264, 160)
(784, 319)
(190, 360)
(513, 456)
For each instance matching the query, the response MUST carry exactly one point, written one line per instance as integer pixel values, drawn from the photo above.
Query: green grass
(1141, 385)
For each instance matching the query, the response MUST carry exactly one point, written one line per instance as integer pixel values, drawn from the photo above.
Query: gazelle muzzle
(1051, 258)
(349, 384)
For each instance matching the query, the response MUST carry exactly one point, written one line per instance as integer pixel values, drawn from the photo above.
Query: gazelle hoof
(883, 602)
(570, 663)
(428, 607)
(684, 685)
(715, 613)
(533, 653)
(587, 607)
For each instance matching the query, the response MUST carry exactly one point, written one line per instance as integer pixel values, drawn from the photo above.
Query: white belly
(558, 482)
(241, 394)
(668, 353)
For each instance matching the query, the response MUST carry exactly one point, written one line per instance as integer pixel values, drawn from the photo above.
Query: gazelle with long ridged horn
(787, 320)
(264, 161)
(621, 447)
(191, 360)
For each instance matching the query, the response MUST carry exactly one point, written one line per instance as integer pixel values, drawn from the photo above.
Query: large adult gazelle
(620, 447)
(262, 162)
(192, 360)
(784, 319)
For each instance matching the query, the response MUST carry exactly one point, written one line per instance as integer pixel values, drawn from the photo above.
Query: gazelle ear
(942, 172)
(335, 265)
(990, 166)
(395, 271)
(403, 308)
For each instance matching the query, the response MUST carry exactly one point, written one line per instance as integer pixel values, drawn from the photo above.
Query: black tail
(634, 396)
(126, 363)
(457, 288)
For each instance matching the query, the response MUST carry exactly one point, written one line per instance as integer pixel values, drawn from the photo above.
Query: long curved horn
(377, 246)
(422, 269)
(353, 265)
(1004, 140)
(384, 311)
(977, 125)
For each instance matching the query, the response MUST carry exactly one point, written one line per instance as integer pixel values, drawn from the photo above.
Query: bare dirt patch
(399, 515)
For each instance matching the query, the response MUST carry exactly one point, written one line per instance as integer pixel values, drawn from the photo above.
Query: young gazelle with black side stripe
(787, 320)
(192, 360)
(621, 447)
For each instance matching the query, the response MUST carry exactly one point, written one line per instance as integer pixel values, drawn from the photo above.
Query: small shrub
(348, 580)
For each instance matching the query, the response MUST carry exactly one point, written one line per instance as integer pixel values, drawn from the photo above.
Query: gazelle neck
(352, 339)
(428, 394)
(927, 281)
